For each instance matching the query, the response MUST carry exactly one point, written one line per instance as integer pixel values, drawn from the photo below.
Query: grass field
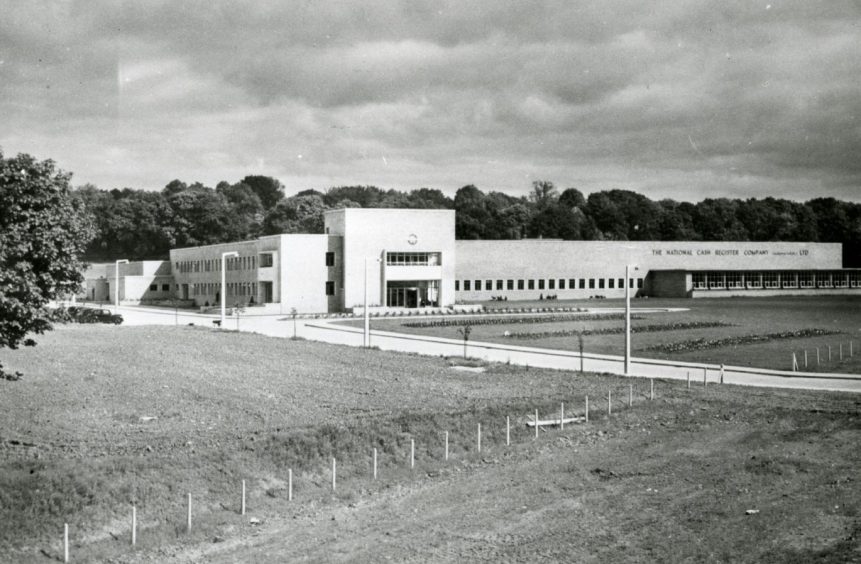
(741, 317)
(110, 415)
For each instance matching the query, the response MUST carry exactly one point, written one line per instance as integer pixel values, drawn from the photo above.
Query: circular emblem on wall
(412, 239)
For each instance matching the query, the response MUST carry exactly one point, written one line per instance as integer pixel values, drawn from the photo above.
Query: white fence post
(446, 445)
(412, 453)
(587, 409)
(507, 430)
(479, 437)
(562, 416)
(65, 542)
(334, 473)
(289, 484)
(375, 463)
(188, 516)
(242, 510)
(536, 423)
(134, 525)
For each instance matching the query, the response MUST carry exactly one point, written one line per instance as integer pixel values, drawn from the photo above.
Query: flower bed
(522, 320)
(617, 330)
(700, 344)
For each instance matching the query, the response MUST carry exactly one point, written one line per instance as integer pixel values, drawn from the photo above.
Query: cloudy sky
(685, 100)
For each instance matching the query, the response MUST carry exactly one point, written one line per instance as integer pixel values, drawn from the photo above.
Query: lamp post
(366, 342)
(628, 268)
(117, 284)
(223, 281)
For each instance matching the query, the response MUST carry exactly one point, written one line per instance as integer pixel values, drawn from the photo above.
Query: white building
(408, 258)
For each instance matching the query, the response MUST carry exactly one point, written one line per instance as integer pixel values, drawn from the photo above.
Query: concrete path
(329, 330)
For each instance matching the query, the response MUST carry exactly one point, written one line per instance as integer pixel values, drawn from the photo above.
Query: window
(582, 283)
(591, 283)
(733, 279)
(771, 280)
(457, 285)
(265, 260)
(413, 259)
(541, 284)
(478, 285)
(752, 279)
(466, 286)
(805, 279)
(520, 284)
(153, 287)
(551, 284)
(823, 279)
(532, 284)
(330, 259)
(639, 283)
(510, 284)
(499, 285)
(789, 279)
(488, 285)
(601, 283)
(610, 282)
(165, 287)
(561, 283)
(699, 280)
(855, 279)
(330, 288)
(621, 283)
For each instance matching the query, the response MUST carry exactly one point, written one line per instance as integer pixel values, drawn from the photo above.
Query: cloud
(677, 99)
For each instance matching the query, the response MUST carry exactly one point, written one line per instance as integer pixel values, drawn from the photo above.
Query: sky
(683, 99)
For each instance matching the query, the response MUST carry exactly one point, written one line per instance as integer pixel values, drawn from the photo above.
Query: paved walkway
(329, 330)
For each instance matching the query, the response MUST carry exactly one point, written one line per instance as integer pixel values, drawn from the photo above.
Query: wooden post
(242, 510)
(289, 484)
(562, 416)
(651, 388)
(850, 348)
(375, 463)
(630, 395)
(795, 362)
(188, 516)
(805, 358)
(446, 445)
(479, 437)
(65, 542)
(689, 379)
(134, 525)
(817, 356)
(722, 368)
(706, 376)
(334, 474)
(507, 430)
(829, 353)
(841, 352)
(587, 409)
(536, 423)
(412, 453)
(609, 402)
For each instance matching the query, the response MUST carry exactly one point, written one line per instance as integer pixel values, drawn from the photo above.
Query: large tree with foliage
(43, 232)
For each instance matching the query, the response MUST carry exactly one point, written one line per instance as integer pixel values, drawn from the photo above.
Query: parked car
(90, 315)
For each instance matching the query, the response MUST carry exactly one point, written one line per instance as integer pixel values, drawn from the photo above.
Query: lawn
(739, 317)
(107, 416)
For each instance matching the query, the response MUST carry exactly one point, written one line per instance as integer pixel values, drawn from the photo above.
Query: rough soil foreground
(645, 487)
(669, 480)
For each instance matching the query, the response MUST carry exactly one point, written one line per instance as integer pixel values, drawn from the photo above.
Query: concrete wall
(135, 282)
(371, 233)
(604, 261)
(304, 273)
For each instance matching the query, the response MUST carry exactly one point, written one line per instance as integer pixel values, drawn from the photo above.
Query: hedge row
(700, 344)
(522, 320)
(617, 330)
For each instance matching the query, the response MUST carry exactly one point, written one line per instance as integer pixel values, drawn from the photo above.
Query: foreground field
(106, 416)
(840, 315)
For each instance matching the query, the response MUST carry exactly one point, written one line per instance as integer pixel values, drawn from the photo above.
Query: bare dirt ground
(669, 480)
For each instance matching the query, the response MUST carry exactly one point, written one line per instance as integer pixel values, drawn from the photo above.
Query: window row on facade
(164, 288)
(545, 284)
(720, 280)
(250, 262)
(413, 259)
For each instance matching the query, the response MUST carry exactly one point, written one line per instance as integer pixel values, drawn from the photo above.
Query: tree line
(139, 224)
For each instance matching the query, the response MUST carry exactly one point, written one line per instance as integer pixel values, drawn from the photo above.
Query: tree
(268, 189)
(43, 232)
(543, 193)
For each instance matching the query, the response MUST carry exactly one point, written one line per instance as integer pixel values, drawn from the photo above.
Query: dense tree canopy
(43, 232)
(136, 224)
